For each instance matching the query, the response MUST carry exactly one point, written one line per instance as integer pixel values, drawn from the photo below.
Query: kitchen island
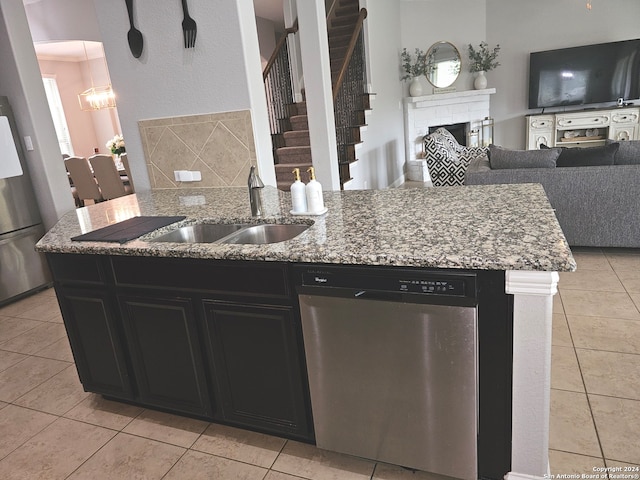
(199, 298)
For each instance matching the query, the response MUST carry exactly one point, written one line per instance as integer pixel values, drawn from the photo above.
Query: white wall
(60, 20)
(381, 155)
(169, 80)
(266, 39)
(68, 76)
(88, 129)
(425, 22)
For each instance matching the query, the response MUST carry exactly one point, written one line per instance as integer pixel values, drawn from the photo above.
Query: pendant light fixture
(100, 97)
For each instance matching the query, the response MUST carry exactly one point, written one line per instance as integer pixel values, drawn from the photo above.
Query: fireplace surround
(420, 113)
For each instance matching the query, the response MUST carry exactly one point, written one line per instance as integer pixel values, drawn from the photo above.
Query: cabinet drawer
(583, 121)
(236, 278)
(541, 123)
(76, 268)
(626, 116)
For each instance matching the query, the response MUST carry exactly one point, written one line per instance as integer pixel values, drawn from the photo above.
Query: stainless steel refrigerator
(22, 269)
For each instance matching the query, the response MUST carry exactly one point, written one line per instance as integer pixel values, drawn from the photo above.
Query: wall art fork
(189, 27)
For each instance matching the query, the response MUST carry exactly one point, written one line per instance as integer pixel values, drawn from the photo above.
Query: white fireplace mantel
(451, 98)
(420, 113)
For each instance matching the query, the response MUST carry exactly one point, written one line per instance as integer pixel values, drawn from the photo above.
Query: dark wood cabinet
(216, 339)
(96, 341)
(165, 354)
(256, 364)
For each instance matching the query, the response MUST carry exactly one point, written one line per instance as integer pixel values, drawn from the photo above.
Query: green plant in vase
(482, 60)
(414, 69)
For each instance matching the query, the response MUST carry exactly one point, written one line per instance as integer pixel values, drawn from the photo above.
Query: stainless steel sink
(200, 233)
(234, 233)
(266, 233)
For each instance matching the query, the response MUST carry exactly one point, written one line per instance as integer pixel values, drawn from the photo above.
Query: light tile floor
(595, 378)
(51, 429)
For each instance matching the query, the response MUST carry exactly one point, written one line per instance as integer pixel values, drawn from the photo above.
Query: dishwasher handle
(378, 295)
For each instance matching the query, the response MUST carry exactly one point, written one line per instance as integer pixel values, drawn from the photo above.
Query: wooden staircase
(297, 149)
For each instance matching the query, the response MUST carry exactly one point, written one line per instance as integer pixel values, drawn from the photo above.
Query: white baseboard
(522, 476)
(399, 181)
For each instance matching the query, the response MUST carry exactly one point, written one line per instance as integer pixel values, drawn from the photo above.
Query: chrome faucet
(255, 184)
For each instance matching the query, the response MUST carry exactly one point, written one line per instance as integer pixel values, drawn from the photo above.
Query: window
(57, 113)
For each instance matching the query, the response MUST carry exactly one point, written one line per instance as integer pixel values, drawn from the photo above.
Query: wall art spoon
(134, 36)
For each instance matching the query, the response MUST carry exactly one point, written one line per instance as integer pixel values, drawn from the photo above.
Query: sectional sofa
(595, 191)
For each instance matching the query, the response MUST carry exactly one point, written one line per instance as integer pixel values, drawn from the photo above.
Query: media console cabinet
(583, 128)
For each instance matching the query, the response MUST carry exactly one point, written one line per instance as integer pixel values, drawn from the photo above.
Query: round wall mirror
(443, 61)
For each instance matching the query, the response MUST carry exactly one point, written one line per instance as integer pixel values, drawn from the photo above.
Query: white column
(532, 316)
(314, 48)
(257, 96)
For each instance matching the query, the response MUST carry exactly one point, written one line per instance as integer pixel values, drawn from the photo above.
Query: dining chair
(106, 173)
(84, 183)
(125, 163)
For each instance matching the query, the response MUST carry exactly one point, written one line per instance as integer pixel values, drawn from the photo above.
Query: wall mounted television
(585, 75)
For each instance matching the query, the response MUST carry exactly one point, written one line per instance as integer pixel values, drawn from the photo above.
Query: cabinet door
(622, 133)
(540, 131)
(96, 341)
(540, 138)
(256, 360)
(165, 353)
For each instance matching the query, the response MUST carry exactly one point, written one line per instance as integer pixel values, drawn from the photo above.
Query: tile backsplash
(219, 145)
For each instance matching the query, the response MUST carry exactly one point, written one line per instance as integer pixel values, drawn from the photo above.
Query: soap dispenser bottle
(298, 194)
(315, 202)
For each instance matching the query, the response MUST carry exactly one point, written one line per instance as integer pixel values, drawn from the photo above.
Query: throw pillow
(586, 157)
(628, 152)
(438, 148)
(503, 158)
(448, 137)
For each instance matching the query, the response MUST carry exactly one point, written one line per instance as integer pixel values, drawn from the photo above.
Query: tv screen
(583, 75)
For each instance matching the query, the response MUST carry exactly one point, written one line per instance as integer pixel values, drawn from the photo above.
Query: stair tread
(296, 133)
(291, 166)
(292, 149)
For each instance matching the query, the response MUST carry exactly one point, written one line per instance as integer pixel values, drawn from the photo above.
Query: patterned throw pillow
(447, 160)
(449, 139)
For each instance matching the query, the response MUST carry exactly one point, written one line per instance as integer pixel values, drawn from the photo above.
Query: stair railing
(279, 88)
(349, 90)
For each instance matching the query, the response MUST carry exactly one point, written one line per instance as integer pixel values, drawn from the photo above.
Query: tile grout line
(586, 393)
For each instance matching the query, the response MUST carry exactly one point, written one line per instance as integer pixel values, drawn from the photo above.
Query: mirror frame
(429, 53)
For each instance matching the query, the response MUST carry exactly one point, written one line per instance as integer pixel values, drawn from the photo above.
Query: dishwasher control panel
(442, 287)
(390, 280)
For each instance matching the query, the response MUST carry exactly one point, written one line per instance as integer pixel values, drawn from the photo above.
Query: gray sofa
(596, 206)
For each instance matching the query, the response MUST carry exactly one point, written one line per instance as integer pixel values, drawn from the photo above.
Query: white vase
(415, 88)
(481, 81)
(118, 161)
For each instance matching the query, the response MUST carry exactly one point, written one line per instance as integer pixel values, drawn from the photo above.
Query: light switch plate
(187, 175)
(28, 143)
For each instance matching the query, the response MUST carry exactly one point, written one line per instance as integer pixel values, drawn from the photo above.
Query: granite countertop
(488, 227)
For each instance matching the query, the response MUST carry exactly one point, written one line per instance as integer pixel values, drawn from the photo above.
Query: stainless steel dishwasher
(392, 363)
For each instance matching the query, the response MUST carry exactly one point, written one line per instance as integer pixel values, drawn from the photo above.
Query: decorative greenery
(116, 145)
(411, 68)
(483, 59)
